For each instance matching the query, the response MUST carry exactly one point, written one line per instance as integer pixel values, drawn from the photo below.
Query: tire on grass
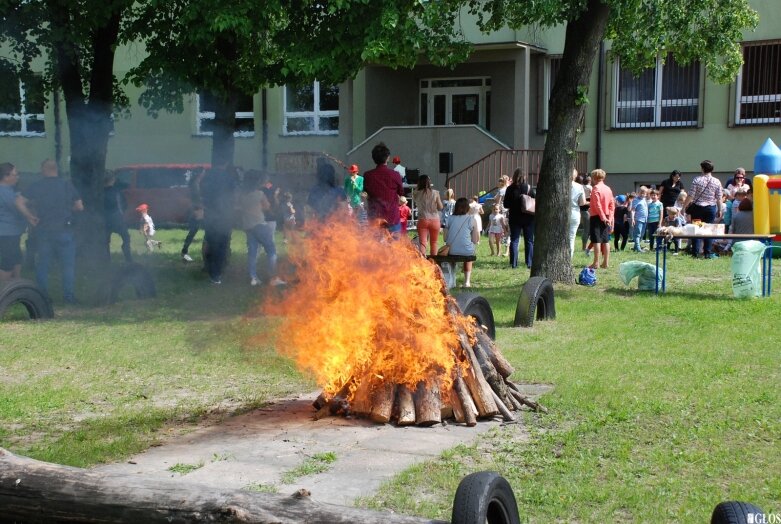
(536, 302)
(735, 512)
(134, 275)
(484, 497)
(26, 293)
(477, 307)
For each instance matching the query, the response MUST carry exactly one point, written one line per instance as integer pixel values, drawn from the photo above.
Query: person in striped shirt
(703, 203)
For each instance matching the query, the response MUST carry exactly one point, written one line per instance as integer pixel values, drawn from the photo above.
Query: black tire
(477, 307)
(21, 291)
(134, 275)
(536, 301)
(734, 512)
(484, 497)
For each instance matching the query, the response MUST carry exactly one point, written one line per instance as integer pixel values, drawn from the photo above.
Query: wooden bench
(447, 263)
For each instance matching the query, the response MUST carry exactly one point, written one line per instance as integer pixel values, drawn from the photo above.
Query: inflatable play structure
(767, 189)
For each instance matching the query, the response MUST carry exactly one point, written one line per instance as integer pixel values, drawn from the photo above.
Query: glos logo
(763, 518)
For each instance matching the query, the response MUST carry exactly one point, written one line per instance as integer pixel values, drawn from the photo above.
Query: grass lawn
(661, 407)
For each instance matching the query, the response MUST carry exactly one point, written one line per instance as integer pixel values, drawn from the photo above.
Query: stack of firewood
(479, 388)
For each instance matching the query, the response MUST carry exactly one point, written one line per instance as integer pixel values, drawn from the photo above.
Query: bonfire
(371, 320)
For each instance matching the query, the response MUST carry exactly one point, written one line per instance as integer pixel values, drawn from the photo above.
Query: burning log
(382, 402)
(476, 383)
(494, 379)
(406, 406)
(427, 404)
(503, 367)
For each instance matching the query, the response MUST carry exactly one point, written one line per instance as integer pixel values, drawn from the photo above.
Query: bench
(447, 263)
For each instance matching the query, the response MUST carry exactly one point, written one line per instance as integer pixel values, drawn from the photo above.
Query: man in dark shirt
(114, 205)
(53, 200)
(384, 187)
(218, 190)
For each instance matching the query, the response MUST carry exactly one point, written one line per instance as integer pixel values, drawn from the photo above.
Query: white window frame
(23, 117)
(546, 80)
(430, 91)
(657, 102)
(202, 116)
(740, 99)
(316, 114)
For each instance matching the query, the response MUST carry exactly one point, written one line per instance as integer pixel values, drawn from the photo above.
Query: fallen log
(513, 388)
(506, 414)
(33, 491)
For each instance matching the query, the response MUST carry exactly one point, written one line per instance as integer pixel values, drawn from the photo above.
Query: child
(655, 212)
(361, 213)
(404, 213)
(679, 206)
(289, 213)
(476, 210)
(639, 217)
(497, 228)
(620, 223)
(673, 219)
(147, 228)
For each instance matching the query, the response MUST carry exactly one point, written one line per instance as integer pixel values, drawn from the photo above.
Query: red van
(164, 187)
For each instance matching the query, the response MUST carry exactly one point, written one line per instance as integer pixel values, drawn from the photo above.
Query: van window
(160, 178)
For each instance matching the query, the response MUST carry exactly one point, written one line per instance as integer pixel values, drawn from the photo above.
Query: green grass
(317, 463)
(259, 487)
(661, 407)
(184, 469)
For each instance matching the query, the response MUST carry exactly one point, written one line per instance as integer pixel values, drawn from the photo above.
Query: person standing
(384, 187)
(113, 212)
(584, 217)
(254, 204)
(577, 198)
(703, 204)
(400, 169)
(429, 205)
(520, 221)
(462, 236)
(353, 187)
(195, 221)
(601, 214)
(12, 224)
(670, 188)
(54, 200)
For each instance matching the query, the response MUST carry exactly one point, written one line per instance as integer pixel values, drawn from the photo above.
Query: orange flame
(365, 306)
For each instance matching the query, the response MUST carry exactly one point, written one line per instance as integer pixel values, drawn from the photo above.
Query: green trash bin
(746, 268)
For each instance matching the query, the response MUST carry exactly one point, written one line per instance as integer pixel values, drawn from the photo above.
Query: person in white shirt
(148, 227)
(400, 169)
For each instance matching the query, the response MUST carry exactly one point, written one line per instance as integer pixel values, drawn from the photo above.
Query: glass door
(455, 102)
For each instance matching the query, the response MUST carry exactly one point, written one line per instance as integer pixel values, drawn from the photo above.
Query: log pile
(480, 389)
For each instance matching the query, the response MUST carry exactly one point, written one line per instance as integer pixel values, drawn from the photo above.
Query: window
(550, 70)
(759, 84)
(245, 116)
(21, 108)
(455, 101)
(666, 95)
(312, 109)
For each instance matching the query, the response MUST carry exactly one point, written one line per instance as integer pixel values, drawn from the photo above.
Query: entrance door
(457, 102)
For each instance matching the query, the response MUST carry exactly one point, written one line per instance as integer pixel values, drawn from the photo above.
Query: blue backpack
(587, 277)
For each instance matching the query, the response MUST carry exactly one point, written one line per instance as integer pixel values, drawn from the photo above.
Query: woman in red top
(601, 210)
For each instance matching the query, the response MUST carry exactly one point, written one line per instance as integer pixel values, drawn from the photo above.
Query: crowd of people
(46, 210)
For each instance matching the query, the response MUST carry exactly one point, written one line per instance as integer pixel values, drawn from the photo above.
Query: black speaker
(413, 175)
(446, 162)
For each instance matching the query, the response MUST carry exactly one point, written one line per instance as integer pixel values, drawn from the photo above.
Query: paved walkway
(258, 447)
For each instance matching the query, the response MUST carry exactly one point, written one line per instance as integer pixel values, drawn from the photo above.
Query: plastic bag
(645, 273)
(746, 273)
(587, 277)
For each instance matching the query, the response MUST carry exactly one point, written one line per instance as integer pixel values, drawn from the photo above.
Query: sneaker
(276, 281)
(675, 254)
(254, 282)
(711, 256)
(186, 257)
(216, 281)
(587, 252)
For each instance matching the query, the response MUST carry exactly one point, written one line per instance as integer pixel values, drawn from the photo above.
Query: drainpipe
(600, 109)
(264, 128)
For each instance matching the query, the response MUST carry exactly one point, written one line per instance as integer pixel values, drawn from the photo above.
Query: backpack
(587, 277)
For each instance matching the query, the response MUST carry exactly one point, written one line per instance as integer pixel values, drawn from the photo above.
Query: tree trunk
(223, 141)
(33, 491)
(551, 247)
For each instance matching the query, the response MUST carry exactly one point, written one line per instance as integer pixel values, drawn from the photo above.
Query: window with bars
(759, 84)
(312, 109)
(245, 116)
(667, 95)
(21, 108)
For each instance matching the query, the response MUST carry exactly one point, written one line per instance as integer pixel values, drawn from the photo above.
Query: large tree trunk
(223, 141)
(89, 122)
(33, 491)
(567, 104)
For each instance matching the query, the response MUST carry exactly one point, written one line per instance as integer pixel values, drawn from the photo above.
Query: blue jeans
(637, 234)
(261, 235)
(61, 244)
(708, 215)
(651, 228)
(528, 243)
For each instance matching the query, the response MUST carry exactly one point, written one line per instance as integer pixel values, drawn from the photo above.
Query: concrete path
(260, 446)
